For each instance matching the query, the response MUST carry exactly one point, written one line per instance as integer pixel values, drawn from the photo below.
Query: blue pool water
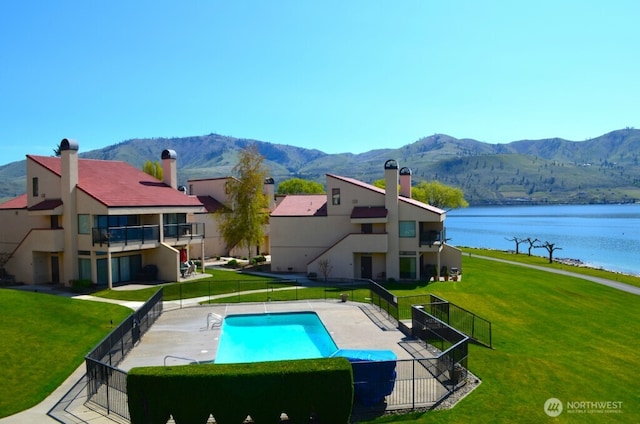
(273, 337)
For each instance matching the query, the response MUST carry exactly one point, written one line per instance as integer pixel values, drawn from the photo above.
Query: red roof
(118, 184)
(302, 205)
(210, 204)
(19, 202)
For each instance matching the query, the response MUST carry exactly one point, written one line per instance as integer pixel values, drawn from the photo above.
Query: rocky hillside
(603, 169)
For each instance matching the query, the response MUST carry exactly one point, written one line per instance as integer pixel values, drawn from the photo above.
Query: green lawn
(544, 261)
(44, 339)
(553, 336)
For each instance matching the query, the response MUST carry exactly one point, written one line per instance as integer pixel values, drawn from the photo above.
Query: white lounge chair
(213, 320)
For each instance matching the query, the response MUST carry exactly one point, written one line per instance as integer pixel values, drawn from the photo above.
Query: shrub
(81, 286)
(261, 389)
(233, 263)
(258, 259)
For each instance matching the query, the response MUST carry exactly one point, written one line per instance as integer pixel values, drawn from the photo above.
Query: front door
(366, 267)
(55, 270)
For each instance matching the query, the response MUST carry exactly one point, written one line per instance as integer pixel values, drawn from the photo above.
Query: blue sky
(338, 76)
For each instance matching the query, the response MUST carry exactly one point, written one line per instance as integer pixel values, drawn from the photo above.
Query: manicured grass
(553, 336)
(296, 293)
(218, 282)
(44, 338)
(544, 261)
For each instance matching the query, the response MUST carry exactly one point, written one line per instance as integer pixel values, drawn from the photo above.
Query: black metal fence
(449, 366)
(478, 328)
(106, 384)
(416, 383)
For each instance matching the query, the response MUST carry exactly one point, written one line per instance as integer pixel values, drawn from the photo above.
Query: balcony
(135, 234)
(185, 231)
(431, 237)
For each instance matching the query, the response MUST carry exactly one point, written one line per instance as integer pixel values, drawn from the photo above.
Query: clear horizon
(333, 76)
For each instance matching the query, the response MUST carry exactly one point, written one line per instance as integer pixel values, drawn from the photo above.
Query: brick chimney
(169, 168)
(405, 182)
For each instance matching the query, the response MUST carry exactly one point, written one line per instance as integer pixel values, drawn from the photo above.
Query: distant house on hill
(357, 230)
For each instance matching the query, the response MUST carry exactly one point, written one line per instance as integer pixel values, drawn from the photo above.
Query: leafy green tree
(381, 183)
(300, 186)
(153, 168)
(242, 224)
(435, 194)
(439, 195)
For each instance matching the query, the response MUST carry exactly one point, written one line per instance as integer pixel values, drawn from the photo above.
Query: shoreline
(574, 262)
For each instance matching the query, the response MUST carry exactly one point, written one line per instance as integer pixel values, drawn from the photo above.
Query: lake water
(602, 236)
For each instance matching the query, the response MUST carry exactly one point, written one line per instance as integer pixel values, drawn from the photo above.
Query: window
(34, 186)
(408, 268)
(104, 221)
(366, 228)
(84, 268)
(84, 226)
(335, 196)
(407, 228)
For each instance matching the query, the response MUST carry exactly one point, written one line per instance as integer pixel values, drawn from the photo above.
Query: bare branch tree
(551, 247)
(518, 242)
(532, 243)
(325, 268)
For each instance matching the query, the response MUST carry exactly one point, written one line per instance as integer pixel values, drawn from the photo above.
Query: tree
(300, 186)
(154, 169)
(381, 183)
(550, 248)
(325, 268)
(242, 224)
(56, 150)
(435, 194)
(518, 241)
(532, 243)
(439, 195)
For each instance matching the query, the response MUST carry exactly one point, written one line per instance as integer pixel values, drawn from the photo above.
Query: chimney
(69, 170)
(68, 184)
(405, 182)
(391, 182)
(169, 168)
(270, 191)
(392, 226)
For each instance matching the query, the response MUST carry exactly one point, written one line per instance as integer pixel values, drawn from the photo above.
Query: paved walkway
(610, 283)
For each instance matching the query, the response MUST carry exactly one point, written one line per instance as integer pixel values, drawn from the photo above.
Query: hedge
(230, 392)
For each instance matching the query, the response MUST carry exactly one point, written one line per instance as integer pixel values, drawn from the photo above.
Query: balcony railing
(431, 237)
(125, 235)
(185, 231)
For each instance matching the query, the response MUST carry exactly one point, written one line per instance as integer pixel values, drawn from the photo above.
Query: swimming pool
(273, 337)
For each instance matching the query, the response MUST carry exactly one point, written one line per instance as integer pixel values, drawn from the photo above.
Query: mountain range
(599, 170)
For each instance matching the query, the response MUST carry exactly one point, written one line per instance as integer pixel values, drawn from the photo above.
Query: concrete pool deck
(180, 336)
